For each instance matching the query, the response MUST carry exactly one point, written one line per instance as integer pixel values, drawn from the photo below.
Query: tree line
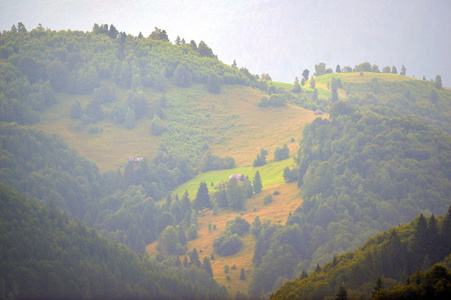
(411, 260)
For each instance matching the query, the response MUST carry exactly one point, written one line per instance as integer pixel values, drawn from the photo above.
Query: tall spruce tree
(257, 182)
(202, 199)
(207, 266)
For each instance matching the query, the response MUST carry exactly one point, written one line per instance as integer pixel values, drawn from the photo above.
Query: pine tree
(242, 274)
(438, 82)
(202, 199)
(257, 182)
(445, 234)
(182, 235)
(194, 258)
(420, 241)
(433, 242)
(342, 294)
(207, 266)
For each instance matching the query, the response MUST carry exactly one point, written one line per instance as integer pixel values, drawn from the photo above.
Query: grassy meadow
(240, 128)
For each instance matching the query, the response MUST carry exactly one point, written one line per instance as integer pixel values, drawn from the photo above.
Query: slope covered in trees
(45, 255)
(361, 171)
(380, 159)
(401, 254)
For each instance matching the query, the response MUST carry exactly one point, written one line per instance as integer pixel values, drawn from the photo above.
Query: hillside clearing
(277, 212)
(239, 126)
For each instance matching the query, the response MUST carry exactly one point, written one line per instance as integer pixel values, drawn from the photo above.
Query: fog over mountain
(277, 37)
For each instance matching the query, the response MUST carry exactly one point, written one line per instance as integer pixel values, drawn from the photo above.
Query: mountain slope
(44, 255)
(392, 255)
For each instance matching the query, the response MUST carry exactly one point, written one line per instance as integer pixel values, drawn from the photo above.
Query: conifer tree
(242, 274)
(194, 258)
(207, 266)
(342, 294)
(202, 199)
(438, 82)
(182, 235)
(257, 182)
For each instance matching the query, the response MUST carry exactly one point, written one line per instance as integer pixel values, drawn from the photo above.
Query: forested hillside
(362, 171)
(402, 255)
(112, 130)
(45, 255)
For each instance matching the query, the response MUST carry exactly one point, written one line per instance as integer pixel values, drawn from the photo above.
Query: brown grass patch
(253, 127)
(277, 212)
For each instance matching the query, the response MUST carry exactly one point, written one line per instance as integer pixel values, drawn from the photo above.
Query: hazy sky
(277, 37)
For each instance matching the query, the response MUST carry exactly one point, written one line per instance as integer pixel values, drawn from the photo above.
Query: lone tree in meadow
(257, 183)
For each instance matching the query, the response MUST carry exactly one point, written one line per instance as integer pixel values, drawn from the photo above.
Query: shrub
(227, 244)
(268, 199)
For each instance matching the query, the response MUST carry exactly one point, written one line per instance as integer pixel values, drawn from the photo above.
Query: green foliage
(320, 69)
(157, 127)
(358, 154)
(214, 84)
(257, 182)
(392, 258)
(275, 100)
(75, 262)
(207, 266)
(159, 34)
(312, 83)
(363, 67)
(267, 199)
(129, 119)
(281, 153)
(438, 82)
(227, 244)
(394, 70)
(238, 225)
(236, 194)
(169, 240)
(242, 274)
(182, 77)
(261, 158)
(192, 232)
(202, 199)
(210, 162)
(290, 175)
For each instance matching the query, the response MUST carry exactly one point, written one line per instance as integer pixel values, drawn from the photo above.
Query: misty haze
(225, 150)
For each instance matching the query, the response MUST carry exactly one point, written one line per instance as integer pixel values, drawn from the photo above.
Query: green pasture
(271, 175)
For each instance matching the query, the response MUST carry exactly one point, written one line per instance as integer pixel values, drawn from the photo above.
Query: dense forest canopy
(360, 172)
(416, 255)
(45, 255)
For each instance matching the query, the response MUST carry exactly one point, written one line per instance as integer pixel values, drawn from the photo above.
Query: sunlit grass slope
(277, 212)
(239, 126)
